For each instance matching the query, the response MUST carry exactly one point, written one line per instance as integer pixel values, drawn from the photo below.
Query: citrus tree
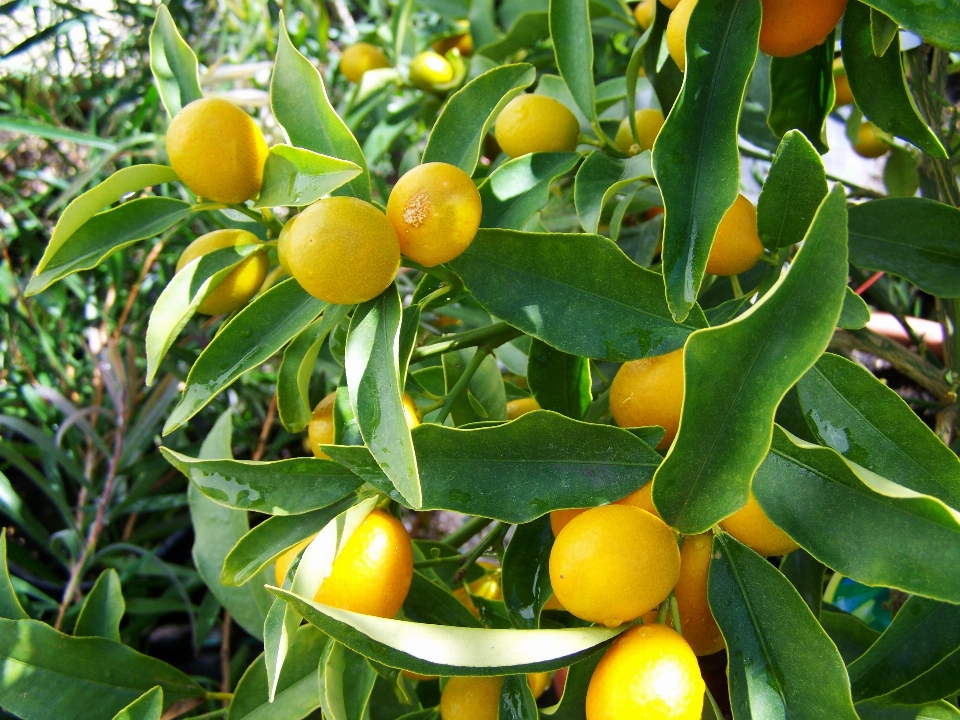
(558, 316)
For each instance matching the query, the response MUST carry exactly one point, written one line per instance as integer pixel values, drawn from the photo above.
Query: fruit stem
(462, 383)
(433, 562)
(675, 613)
(491, 336)
(438, 293)
(269, 223)
(466, 531)
(492, 538)
(219, 696)
(737, 290)
(662, 611)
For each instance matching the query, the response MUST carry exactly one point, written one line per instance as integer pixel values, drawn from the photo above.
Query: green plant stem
(675, 613)
(662, 611)
(492, 336)
(493, 537)
(457, 390)
(735, 283)
(211, 695)
(438, 293)
(466, 531)
(256, 216)
(438, 271)
(433, 562)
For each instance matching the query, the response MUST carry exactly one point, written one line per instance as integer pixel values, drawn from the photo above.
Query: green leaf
(578, 293)
(916, 659)
(24, 126)
(300, 104)
(848, 409)
(296, 369)
(600, 178)
(457, 136)
(573, 50)
(520, 187)
(794, 189)
(216, 530)
(484, 397)
(781, 662)
(182, 296)
(483, 25)
(882, 31)
(428, 602)
(559, 381)
(13, 506)
(526, 574)
(174, 64)
(858, 523)
(572, 702)
(527, 30)
(696, 158)
(855, 313)
(451, 651)
(346, 682)
(272, 319)
(148, 706)
(296, 177)
(915, 238)
(520, 470)
(879, 85)
(851, 635)
(104, 234)
(297, 695)
(51, 676)
(933, 20)
(801, 93)
(102, 609)
(10, 608)
(666, 78)
(805, 573)
(901, 177)
(372, 366)
(739, 372)
(280, 487)
(516, 699)
(878, 710)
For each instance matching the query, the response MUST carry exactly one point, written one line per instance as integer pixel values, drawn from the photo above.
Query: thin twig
(135, 290)
(492, 336)
(466, 531)
(265, 430)
(495, 536)
(225, 652)
(478, 357)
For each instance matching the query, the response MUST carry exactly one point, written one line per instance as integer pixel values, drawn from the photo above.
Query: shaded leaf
(851, 635)
(346, 681)
(102, 609)
(801, 94)
(600, 178)
(855, 313)
(516, 699)
(805, 573)
(933, 20)
(878, 710)
(427, 602)
(10, 607)
(174, 64)
(520, 187)
(484, 398)
(526, 574)
(525, 32)
(559, 381)
(573, 49)
(148, 706)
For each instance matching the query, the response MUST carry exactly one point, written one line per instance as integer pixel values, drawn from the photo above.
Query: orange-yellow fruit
(538, 682)
(641, 499)
(648, 121)
(672, 4)
(429, 69)
(559, 519)
(283, 244)
(283, 563)
(790, 27)
(360, 57)
(435, 210)
(487, 587)
(649, 392)
(613, 563)
(462, 42)
(521, 406)
(418, 677)
(536, 123)
(372, 573)
(870, 143)
(649, 672)
(841, 85)
(677, 32)
(320, 430)
(343, 250)
(736, 247)
(696, 621)
(242, 283)
(751, 526)
(644, 13)
(217, 150)
(478, 698)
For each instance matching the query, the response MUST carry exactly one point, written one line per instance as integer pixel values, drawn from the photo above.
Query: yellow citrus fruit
(649, 392)
(672, 4)
(320, 430)
(478, 698)
(613, 563)
(870, 143)
(736, 247)
(283, 563)
(462, 42)
(435, 209)
(235, 290)
(790, 28)
(487, 587)
(217, 150)
(418, 677)
(696, 621)
(649, 672)
(429, 69)
(841, 85)
(559, 519)
(677, 32)
(536, 123)
(372, 573)
(641, 499)
(343, 250)
(751, 526)
(644, 13)
(282, 241)
(360, 57)
(538, 682)
(521, 406)
(649, 121)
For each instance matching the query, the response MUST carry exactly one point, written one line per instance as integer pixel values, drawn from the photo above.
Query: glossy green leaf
(10, 608)
(933, 20)
(182, 296)
(855, 313)
(457, 136)
(51, 676)
(516, 700)
(801, 94)
(346, 681)
(573, 50)
(520, 470)
(739, 373)
(781, 662)
(794, 189)
(848, 409)
(300, 104)
(917, 657)
(525, 32)
(372, 366)
(572, 702)
(296, 177)
(879, 85)
(805, 573)
(526, 574)
(882, 30)
(451, 651)
(660, 69)
(851, 635)
(878, 710)
(102, 609)
(901, 177)
(279, 487)
(483, 25)
(148, 706)
(915, 238)
(174, 64)
(273, 318)
(104, 234)
(428, 602)
(858, 523)
(298, 693)
(578, 293)
(600, 178)
(559, 381)
(696, 158)
(520, 187)
(484, 398)
(216, 530)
